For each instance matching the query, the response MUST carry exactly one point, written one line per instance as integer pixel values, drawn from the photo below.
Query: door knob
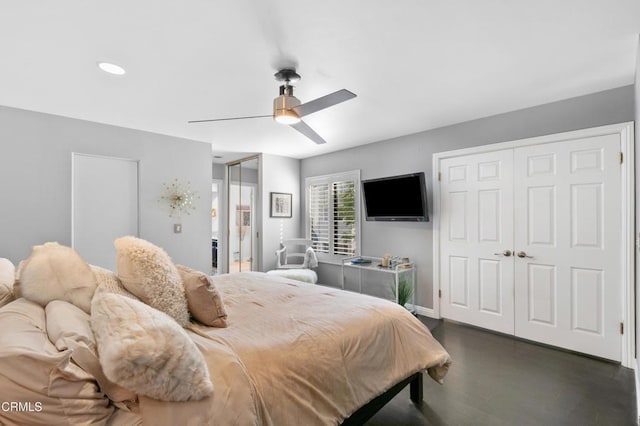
(505, 253)
(522, 254)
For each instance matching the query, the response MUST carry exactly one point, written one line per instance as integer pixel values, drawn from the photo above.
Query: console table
(375, 266)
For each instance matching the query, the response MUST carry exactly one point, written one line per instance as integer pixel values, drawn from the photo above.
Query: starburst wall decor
(179, 198)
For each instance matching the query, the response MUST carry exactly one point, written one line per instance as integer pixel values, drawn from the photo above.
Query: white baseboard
(421, 310)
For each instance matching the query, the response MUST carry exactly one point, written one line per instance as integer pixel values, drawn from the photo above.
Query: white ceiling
(414, 64)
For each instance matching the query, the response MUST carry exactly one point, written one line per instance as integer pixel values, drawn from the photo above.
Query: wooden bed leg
(415, 388)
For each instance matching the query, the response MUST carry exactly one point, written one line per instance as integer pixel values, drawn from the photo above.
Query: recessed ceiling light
(111, 68)
(217, 156)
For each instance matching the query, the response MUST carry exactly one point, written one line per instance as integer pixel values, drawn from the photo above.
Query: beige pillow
(34, 372)
(109, 282)
(69, 327)
(205, 303)
(6, 295)
(55, 272)
(144, 350)
(17, 292)
(148, 272)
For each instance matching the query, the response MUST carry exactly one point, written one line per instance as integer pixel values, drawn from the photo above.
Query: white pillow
(7, 272)
(148, 272)
(55, 272)
(146, 351)
(7, 277)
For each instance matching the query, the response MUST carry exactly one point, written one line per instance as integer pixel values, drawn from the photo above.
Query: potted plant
(405, 290)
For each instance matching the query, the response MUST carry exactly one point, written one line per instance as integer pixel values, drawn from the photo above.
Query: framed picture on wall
(280, 204)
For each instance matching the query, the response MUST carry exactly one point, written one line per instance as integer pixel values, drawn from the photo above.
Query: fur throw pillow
(144, 350)
(55, 272)
(148, 272)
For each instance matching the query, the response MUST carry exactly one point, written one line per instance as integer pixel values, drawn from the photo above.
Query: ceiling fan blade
(323, 102)
(228, 119)
(303, 128)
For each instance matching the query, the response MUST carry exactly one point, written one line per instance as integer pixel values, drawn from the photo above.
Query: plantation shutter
(319, 216)
(344, 218)
(332, 215)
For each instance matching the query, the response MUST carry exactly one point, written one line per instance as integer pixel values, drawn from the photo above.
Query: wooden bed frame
(367, 411)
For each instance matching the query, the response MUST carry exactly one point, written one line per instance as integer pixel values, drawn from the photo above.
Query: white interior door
(567, 221)
(476, 239)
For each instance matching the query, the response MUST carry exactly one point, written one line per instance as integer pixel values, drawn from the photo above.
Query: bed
(292, 353)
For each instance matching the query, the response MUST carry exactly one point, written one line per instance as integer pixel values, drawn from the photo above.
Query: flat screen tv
(396, 198)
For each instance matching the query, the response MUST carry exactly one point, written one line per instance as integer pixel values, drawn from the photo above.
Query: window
(333, 214)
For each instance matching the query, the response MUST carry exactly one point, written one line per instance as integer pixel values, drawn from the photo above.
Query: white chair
(295, 260)
(296, 253)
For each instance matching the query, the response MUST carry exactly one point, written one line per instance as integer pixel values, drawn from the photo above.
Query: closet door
(242, 190)
(476, 239)
(567, 240)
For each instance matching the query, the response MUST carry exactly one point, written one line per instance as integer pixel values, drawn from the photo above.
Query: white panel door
(476, 232)
(105, 206)
(567, 222)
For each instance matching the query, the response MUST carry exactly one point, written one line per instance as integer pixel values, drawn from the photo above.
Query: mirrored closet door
(242, 181)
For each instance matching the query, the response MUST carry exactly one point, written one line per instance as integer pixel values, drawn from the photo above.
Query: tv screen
(396, 198)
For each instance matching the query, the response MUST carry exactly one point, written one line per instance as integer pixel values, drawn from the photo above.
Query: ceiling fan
(287, 109)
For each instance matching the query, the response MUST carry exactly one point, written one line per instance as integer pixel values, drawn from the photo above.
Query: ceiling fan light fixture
(284, 116)
(282, 109)
(288, 110)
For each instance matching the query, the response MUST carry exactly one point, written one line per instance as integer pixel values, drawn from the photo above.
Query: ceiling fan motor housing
(283, 104)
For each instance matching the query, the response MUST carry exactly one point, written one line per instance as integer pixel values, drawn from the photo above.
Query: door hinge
(621, 328)
(621, 157)
(439, 176)
(439, 294)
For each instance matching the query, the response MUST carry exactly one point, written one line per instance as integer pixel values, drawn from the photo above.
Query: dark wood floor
(497, 380)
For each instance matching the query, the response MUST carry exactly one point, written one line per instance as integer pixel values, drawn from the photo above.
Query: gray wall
(413, 153)
(35, 182)
(279, 174)
(217, 171)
